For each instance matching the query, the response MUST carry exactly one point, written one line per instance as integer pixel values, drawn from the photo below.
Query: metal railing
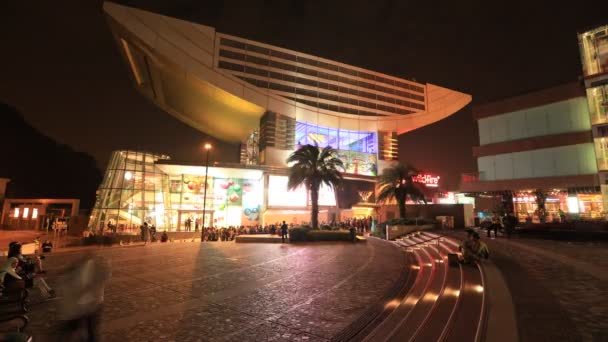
(438, 238)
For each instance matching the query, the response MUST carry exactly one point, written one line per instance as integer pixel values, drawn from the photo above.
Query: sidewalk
(558, 296)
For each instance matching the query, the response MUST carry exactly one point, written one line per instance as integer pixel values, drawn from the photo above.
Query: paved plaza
(218, 291)
(226, 291)
(559, 288)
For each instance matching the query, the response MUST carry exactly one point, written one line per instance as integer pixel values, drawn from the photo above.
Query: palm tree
(312, 167)
(396, 182)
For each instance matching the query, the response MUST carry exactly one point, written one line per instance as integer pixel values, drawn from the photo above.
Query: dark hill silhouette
(39, 167)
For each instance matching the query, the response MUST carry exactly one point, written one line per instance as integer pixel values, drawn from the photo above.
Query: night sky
(60, 67)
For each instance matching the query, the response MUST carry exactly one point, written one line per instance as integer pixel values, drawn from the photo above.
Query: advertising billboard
(279, 196)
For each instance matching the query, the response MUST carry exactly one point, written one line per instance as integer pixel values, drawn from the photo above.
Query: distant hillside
(40, 167)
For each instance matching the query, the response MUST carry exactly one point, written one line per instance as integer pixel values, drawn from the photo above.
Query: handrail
(431, 239)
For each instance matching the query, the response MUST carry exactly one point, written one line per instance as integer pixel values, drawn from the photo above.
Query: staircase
(443, 304)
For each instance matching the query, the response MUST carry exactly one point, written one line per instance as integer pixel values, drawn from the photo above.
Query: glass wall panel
(113, 199)
(117, 179)
(150, 181)
(342, 140)
(126, 199)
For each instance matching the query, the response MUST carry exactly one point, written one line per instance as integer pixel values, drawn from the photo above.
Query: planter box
(404, 229)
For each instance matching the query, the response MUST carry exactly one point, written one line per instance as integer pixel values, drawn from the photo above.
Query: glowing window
(16, 213)
(26, 211)
(35, 213)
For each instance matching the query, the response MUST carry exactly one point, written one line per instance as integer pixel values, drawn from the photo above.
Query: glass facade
(133, 191)
(594, 51)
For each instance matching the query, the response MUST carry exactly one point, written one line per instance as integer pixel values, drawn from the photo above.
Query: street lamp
(207, 148)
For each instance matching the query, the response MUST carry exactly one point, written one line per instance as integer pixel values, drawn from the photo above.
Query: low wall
(427, 211)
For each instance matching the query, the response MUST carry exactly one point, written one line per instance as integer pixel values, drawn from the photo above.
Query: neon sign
(427, 179)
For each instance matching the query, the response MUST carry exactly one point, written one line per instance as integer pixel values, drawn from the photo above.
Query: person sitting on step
(474, 250)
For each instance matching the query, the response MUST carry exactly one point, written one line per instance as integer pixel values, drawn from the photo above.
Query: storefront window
(526, 208)
(590, 205)
(558, 203)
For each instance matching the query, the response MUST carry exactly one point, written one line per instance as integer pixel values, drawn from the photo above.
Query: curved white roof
(222, 84)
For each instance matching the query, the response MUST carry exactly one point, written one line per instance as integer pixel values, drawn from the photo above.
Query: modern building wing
(538, 141)
(231, 87)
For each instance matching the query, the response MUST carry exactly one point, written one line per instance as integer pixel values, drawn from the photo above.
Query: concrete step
(411, 324)
(468, 320)
(403, 308)
(445, 303)
(435, 325)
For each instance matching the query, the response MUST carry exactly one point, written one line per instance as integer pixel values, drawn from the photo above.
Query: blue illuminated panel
(356, 149)
(357, 141)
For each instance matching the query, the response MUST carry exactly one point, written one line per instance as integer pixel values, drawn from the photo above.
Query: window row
(303, 60)
(335, 108)
(322, 85)
(330, 97)
(290, 78)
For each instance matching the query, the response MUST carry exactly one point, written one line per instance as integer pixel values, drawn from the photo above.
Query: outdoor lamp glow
(207, 146)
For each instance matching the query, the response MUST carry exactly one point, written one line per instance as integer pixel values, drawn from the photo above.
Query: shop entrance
(192, 220)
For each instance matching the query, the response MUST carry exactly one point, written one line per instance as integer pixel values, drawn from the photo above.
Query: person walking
(283, 232)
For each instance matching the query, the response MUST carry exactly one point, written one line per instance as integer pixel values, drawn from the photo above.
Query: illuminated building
(553, 140)
(594, 57)
(539, 140)
(269, 99)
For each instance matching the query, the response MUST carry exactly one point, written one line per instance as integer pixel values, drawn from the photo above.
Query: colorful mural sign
(359, 163)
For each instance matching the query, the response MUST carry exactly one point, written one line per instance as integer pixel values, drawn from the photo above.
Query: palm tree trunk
(314, 199)
(401, 208)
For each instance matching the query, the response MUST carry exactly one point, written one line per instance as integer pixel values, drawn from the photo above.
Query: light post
(207, 148)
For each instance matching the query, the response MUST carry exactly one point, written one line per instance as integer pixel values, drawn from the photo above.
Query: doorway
(192, 220)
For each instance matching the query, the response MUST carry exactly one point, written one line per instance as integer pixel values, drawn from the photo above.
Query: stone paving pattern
(555, 301)
(233, 292)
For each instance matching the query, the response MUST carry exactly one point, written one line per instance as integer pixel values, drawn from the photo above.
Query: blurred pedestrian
(146, 234)
(82, 295)
(10, 280)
